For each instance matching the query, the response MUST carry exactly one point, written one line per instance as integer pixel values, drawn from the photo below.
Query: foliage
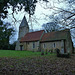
(28, 5)
(12, 46)
(5, 33)
(67, 15)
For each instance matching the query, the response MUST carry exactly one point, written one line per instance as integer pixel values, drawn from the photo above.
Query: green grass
(19, 54)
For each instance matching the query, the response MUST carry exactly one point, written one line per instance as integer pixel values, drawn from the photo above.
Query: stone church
(39, 40)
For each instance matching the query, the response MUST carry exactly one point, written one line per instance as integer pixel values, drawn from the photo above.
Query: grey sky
(38, 19)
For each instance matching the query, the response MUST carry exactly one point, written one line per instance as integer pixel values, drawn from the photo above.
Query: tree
(51, 26)
(5, 33)
(29, 6)
(65, 15)
(16, 5)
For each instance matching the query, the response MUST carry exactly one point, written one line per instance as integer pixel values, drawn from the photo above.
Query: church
(39, 40)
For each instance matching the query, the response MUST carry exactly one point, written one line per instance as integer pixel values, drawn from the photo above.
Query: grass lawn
(19, 54)
(32, 63)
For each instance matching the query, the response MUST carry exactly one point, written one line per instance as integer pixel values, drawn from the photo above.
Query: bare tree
(64, 15)
(51, 26)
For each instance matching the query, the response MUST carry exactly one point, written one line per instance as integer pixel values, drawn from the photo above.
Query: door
(21, 47)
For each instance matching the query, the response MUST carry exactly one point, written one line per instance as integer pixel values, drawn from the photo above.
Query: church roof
(24, 22)
(32, 36)
(51, 36)
(54, 36)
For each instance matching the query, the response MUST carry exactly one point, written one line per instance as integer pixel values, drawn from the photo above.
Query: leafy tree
(67, 14)
(5, 33)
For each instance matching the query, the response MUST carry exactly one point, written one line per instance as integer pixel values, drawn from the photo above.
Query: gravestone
(62, 47)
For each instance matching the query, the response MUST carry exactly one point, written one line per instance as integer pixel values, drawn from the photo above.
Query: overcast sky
(40, 12)
(38, 19)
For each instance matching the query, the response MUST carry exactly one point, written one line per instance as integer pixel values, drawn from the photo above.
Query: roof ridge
(32, 36)
(36, 31)
(58, 31)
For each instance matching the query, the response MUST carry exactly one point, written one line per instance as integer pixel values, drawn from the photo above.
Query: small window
(44, 45)
(54, 44)
(33, 44)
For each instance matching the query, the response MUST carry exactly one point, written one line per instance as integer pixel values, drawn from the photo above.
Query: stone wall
(51, 45)
(24, 46)
(69, 43)
(30, 46)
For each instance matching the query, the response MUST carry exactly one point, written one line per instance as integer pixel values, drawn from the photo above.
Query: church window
(44, 45)
(33, 44)
(54, 45)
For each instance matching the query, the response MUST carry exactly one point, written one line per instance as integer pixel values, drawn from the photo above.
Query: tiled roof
(32, 36)
(52, 36)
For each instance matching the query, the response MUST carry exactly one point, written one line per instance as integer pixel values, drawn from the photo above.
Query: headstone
(62, 47)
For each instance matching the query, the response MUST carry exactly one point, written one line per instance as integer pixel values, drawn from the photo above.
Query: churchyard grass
(33, 63)
(20, 54)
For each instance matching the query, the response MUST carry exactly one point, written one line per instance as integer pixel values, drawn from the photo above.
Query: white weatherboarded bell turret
(23, 29)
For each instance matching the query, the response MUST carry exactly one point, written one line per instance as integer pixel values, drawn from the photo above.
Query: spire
(24, 22)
